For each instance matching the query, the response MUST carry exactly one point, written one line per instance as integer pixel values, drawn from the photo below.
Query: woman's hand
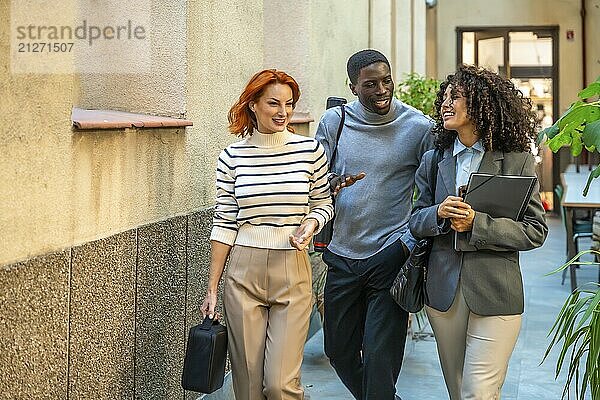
(301, 237)
(463, 224)
(209, 304)
(453, 207)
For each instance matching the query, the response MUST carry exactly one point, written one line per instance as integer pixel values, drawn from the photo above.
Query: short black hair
(361, 59)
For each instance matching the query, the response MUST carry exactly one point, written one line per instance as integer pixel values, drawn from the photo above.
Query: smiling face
(273, 109)
(375, 87)
(454, 112)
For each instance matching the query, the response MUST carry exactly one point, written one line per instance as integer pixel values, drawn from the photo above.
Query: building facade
(104, 226)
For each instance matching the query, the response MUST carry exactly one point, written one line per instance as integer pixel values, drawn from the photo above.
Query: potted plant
(577, 327)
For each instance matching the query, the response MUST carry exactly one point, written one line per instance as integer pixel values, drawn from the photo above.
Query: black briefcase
(205, 355)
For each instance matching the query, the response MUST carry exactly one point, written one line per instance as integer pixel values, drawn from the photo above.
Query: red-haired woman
(272, 196)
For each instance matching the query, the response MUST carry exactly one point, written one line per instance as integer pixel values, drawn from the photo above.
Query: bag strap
(337, 138)
(437, 157)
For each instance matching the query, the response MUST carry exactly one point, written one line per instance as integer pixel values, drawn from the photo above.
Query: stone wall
(107, 319)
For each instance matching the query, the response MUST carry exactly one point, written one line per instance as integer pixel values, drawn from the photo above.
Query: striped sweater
(267, 184)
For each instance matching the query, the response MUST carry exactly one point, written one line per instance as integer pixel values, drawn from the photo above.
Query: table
(572, 199)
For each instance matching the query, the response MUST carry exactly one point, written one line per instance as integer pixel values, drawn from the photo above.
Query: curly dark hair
(504, 119)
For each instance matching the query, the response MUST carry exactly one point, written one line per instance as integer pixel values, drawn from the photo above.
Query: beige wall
(332, 40)
(35, 143)
(431, 42)
(398, 30)
(394, 27)
(564, 13)
(225, 49)
(61, 187)
(286, 33)
(408, 37)
(161, 89)
(592, 33)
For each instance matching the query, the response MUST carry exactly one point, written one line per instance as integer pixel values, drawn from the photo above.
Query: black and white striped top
(267, 184)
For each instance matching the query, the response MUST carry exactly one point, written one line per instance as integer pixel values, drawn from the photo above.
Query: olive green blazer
(490, 275)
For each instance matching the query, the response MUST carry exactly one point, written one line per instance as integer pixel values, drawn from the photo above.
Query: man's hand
(341, 181)
(301, 237)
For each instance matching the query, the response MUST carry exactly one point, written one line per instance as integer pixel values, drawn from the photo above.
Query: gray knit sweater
(374, 212)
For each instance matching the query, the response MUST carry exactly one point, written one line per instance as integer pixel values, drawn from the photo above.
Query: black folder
(499, 196)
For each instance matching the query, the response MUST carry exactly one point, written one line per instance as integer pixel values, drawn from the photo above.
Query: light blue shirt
(468, 160)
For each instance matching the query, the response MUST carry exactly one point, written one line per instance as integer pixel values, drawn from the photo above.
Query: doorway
(529, 57)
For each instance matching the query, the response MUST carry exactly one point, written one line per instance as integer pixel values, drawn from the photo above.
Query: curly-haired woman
(484, 124)
(272, 196)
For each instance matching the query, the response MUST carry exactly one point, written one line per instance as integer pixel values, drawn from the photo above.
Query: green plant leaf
(591, 134)
(592, 90)
(574, 261)
(576, 143)
(564, 138)
(593, 175)
(577, 351)
(572, 107)
(593, 358)
(549, 132)
(580, 112)
(558, 141)
(577, 326)
(592, 307)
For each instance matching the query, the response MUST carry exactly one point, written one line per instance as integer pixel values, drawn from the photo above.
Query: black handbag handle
(208, 323)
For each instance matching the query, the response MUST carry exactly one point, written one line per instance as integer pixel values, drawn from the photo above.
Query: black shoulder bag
(321, 240)
(408, 289)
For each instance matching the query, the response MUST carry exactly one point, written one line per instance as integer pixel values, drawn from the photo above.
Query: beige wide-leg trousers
(474, 350)
(267, 300)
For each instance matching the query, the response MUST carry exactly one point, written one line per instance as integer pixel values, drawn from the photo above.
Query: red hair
(242, 121)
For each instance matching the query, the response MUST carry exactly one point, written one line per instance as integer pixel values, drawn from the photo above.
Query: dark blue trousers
(364, 329)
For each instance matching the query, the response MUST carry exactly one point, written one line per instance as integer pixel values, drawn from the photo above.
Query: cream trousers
(267, 300)
(474, 350)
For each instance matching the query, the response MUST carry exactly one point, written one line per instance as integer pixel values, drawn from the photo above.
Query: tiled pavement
(421, 376)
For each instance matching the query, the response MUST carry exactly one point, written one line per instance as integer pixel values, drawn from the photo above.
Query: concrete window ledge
(300, 121)
(109, 119)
